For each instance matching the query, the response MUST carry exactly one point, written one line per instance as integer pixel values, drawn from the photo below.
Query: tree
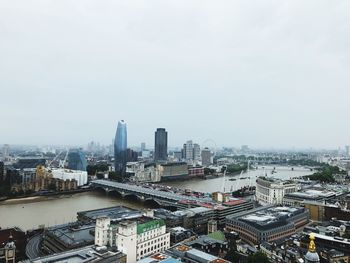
(258, 257)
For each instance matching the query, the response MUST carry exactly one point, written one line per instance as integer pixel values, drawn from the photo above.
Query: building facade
(76, 160)
(206, 157)
(272, 191)
(120, 148)
(161, 145)
(136, 238)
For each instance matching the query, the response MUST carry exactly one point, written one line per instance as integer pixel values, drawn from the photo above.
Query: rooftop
(115, 213)
(83, 255)
(73, 234)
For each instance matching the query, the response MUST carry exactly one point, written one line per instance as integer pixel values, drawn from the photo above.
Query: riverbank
(40, 198)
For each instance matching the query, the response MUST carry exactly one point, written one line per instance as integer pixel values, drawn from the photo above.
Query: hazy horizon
(269, 74)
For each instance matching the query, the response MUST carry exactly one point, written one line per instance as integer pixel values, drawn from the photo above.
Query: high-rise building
(77, 160)
(188, 151)
(5, 152)
(120, 148)
(2, 171)
(143, 146)
(196, 152)
(347, 150)
(161, 145)
(206, 157)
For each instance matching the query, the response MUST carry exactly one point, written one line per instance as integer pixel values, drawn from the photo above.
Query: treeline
(325, 174)
(96, 168)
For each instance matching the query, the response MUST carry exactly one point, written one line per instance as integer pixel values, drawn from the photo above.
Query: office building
(161, 145)
(312, 194)
(120, 148)
(347, 150)
(196, 152)
(76, 160)
(268, 223)
(66, 237)
(114, 213)
(137, 238)
(172, 171)
(5, 152)
(206, 157)
(188, 151)
(272, 191)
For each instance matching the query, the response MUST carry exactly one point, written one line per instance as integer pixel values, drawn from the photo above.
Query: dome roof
(312, 257)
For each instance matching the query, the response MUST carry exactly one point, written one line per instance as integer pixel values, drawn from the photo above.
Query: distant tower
(312, 256)
(161, 145)
(5, 152)
(206, 157)
(347, 150)
(143, 146)
(77, 160)
(120, 148)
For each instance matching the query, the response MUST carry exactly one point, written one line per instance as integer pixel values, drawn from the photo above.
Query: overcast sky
(262, 73)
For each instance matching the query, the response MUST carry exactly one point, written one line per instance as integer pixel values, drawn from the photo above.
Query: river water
(51, 211)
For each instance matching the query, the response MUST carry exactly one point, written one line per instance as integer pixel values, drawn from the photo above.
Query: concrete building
(143, 172)
(137, 238)
(93, 254)
(64, 174)
(66, 237)
(196, 152)
(272, 191)
(161, 145)
(309, 194)
(267, 224)
(115, 213)
(206, 157)
(173, 171)
(143, 146)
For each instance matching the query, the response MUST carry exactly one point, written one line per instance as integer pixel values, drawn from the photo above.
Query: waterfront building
(272, 191)
(137, 238)
(206, 157)
(93, 254)
(120, 148)
(312, 256)
(64, 174)
(173, 171)
(76, 160)
(114, 213)
(267, 224)
(29, 163)
(195, 171)
(143, 172)
(161, 145)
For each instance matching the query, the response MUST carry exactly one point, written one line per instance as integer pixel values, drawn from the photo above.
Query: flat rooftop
(270, 215)
(82, 255)
(312, 194)
(73, 234)
(115, 213)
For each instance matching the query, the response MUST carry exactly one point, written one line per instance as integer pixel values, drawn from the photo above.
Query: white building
(143, 173)
(137, 238)
(80, 176)
(272, 191)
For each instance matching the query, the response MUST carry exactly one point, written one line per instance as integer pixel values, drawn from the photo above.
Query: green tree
(258, 257)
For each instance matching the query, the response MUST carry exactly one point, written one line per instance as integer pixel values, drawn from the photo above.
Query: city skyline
(233, 72)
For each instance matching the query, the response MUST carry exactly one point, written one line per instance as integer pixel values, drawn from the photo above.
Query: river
(225, 184)
(29, 214)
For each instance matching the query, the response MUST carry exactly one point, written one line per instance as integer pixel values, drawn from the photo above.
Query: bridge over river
(162, 197)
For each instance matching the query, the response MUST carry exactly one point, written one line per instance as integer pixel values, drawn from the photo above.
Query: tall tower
(161, 145)
(120, 148)
(77, 160)
(312, 256)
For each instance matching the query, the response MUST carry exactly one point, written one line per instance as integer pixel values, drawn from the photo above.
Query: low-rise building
(267, 224)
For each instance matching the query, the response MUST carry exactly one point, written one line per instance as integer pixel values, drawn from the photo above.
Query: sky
(263, 73)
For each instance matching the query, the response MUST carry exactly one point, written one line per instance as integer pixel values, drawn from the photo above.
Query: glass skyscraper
(161, 145)
(76, 160)
(120, 148)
